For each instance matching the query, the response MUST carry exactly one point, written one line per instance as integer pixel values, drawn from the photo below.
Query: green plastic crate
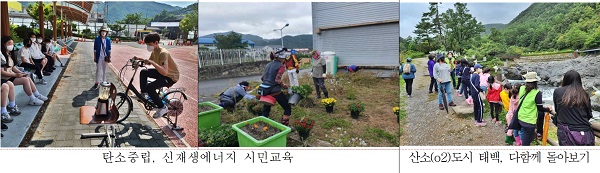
(277, 140)
(209, 119)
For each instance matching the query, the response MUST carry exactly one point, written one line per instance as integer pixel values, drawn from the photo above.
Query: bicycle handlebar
(136, 63)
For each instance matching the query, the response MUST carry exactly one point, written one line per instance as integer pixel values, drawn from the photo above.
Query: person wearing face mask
(49, 67)
(36, 54)
(165, 71)
(48, 50)
(102, 49)
(27, 61)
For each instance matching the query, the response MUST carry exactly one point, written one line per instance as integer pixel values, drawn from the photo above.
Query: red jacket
(493, 94)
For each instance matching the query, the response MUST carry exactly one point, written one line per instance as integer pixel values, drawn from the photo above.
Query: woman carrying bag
(525, 116)
(573, 112)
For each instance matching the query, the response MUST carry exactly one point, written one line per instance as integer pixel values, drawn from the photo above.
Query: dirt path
(426, 125)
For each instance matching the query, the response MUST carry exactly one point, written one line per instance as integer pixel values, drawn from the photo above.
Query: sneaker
(42, 97)
(95, 87)
(160, 112)
(409, 96)
(481, 124)
(14, 111)
(6, 118)
(36, 102)
(441, 107)
(430, 92)
(460, 95)
(42, 81)
(47, 74)
(452, 104)
(4, 127)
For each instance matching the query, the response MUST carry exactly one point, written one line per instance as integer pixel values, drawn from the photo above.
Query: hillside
(298, 41)
(488, 27)
(117, 10)
(547, 26)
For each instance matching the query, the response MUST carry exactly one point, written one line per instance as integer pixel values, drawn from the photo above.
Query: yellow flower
(396, 109)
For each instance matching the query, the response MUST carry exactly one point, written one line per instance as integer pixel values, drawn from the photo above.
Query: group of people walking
(523, 102)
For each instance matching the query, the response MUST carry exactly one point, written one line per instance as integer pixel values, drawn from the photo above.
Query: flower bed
(261, 132)
(209, 116)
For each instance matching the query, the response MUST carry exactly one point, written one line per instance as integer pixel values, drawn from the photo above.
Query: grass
(338, 128)
(547, 53)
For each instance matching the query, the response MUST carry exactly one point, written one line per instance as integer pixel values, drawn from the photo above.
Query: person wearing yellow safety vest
(530, 103)
(452, 63)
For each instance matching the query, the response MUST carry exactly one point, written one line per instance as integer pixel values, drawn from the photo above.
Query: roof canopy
(72, 14)
(85, 5)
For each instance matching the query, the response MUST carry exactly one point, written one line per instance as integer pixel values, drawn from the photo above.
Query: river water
(548, 91)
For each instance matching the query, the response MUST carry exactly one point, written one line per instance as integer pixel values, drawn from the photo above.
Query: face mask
(33, 39)
(39, 40)
(479, 70)
(150, 48)
(10, 48)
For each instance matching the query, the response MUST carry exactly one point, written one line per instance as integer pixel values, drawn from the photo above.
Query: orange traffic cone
(63, 51)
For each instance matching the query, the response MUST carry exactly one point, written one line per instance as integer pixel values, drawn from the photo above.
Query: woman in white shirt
(27, 61)
(10, 73)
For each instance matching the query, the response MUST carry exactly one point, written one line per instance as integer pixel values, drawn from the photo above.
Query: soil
(259, 133)
(307, 103)
(204, 108)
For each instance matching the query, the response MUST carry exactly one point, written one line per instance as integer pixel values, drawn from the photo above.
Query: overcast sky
(486, 13)
(182, 4)
(257, 18)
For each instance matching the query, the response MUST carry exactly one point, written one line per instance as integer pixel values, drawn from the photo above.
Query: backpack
(406, 68)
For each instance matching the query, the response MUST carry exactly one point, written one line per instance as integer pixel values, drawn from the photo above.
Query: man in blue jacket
(101, 55)
(408, 71)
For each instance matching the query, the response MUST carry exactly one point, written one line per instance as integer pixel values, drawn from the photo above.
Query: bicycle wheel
(124, 105)
(174, 101)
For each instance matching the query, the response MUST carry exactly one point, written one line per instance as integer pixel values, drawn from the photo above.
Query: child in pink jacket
(514, 103)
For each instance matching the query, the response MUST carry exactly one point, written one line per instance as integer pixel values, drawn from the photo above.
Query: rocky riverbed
(552, 72)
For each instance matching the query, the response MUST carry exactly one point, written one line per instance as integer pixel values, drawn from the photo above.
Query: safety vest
(528, 111)
(451, 62)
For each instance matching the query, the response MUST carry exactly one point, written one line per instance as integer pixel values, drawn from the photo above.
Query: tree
(133, 18)
(163, 16)
(461, 28)
(232, 40)
(33, 11)
(117, 28)
(190, 22)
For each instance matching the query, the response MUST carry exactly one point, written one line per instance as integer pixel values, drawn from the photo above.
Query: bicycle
(171, 97)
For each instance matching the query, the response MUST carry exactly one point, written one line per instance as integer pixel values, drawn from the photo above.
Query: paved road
(209, 88)
(59, 126)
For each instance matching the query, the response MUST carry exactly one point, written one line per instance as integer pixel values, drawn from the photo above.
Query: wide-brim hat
(531, 77)
(103, 28)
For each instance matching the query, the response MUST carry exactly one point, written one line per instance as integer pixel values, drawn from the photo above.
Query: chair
(87, 117)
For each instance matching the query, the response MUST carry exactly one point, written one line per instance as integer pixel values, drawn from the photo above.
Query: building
(269, 48)
(363, 34)
(211, 43)
(172, 27)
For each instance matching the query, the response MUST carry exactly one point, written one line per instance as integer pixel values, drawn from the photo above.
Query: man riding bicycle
(165, 72)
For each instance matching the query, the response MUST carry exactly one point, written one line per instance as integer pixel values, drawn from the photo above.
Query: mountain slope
(118, 10)
(547, 26)
(298, 41)
(488, 27)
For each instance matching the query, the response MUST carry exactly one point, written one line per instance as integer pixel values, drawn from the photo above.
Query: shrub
(222, 136)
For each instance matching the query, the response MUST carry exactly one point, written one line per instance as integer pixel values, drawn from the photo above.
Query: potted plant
(329, 103)
(299, 93)
(355, 109)
(397, 112)
(261, 132)
(254, 107)
(209, 116)
(221, 136)
(303, 126)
